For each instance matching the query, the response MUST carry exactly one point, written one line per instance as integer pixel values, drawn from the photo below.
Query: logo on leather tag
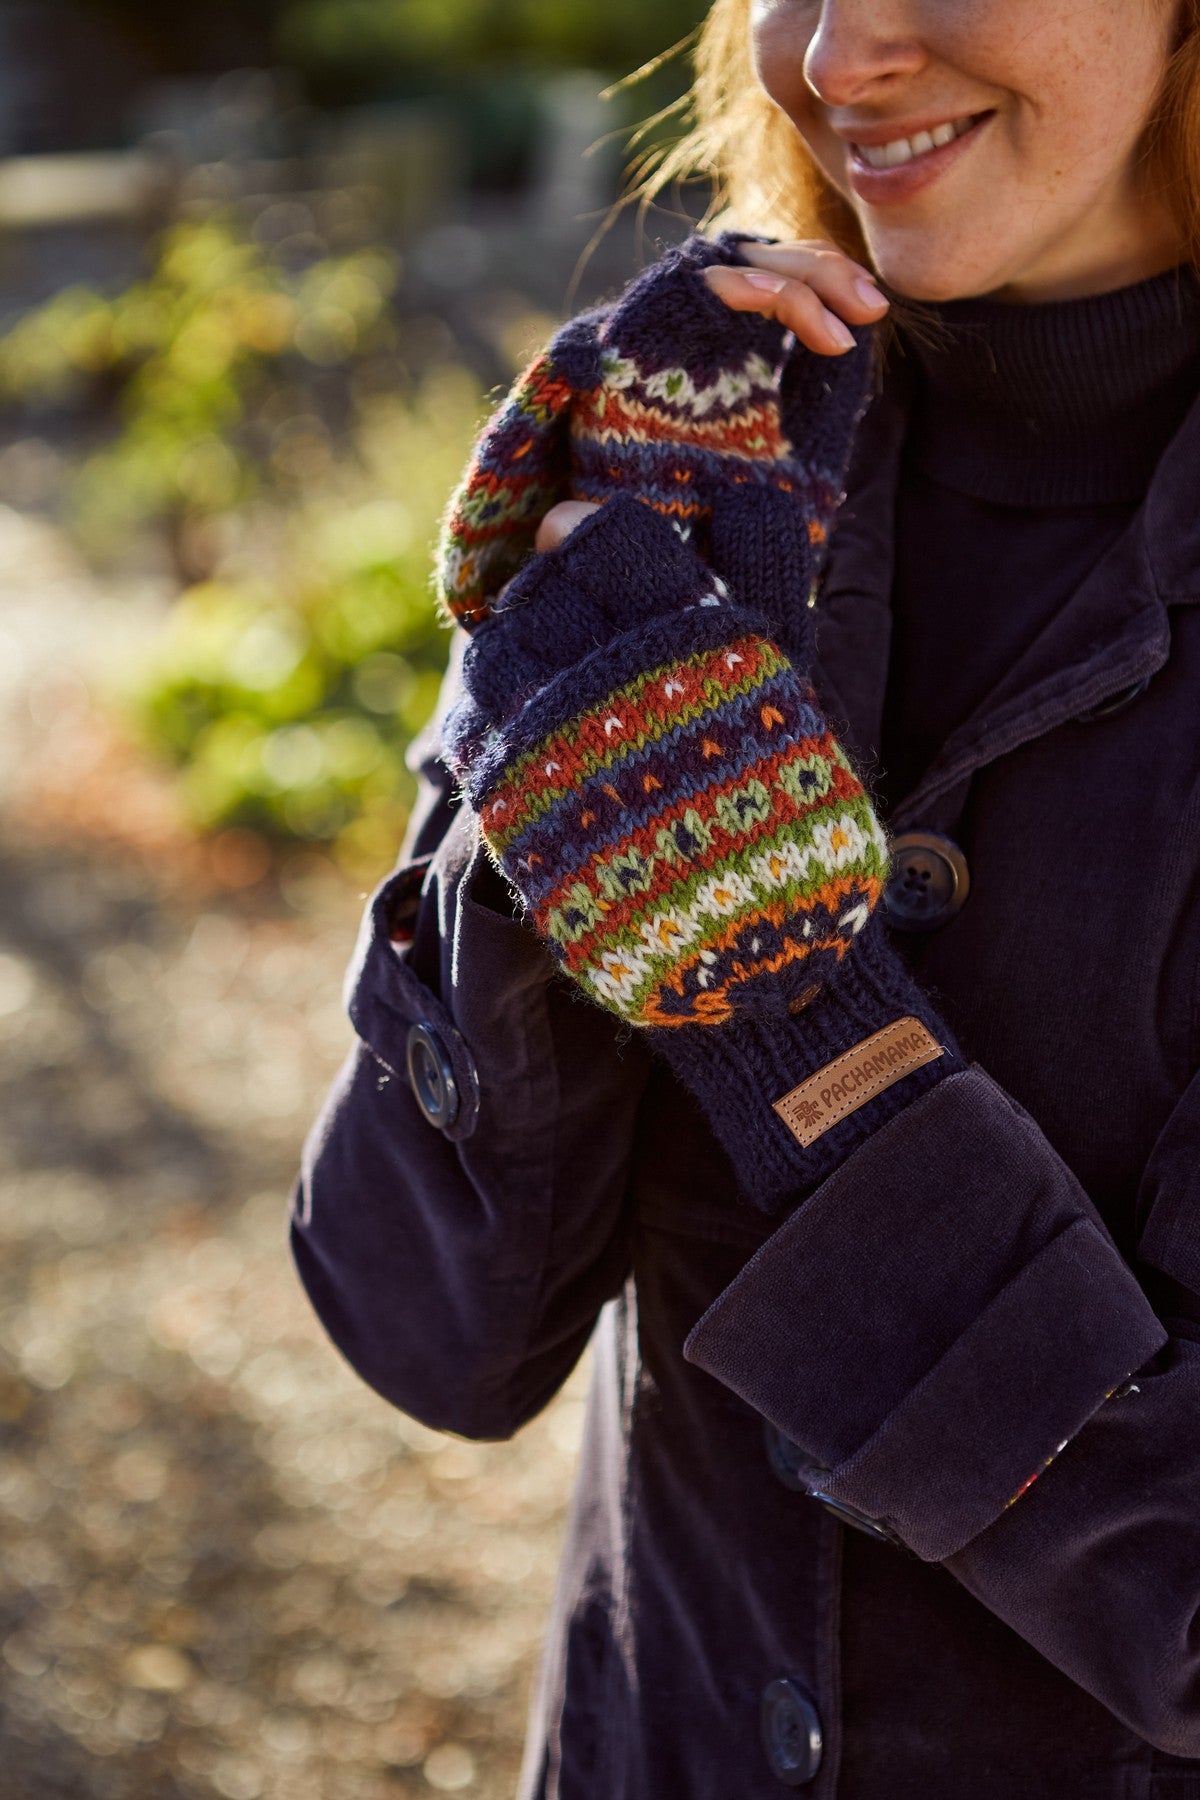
(855, 1077)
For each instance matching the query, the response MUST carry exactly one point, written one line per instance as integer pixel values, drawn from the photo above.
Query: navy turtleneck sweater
(1032, 438)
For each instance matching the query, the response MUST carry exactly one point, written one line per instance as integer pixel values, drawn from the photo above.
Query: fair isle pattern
(666, 436)
(674, 441)
(517, 473)
(696, 829)
(730, 389)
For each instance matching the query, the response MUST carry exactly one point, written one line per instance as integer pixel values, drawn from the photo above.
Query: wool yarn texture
(682, 828)
(639, 738)
(674, 811)
(672, 398)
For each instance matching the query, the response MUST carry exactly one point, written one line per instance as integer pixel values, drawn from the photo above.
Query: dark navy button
(856, 1520)
(431, 1076)
(928, 882)
(788, 1462)
(791, 1733)
(1116, 702)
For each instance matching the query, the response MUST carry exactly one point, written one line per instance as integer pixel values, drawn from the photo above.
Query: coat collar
(1113, 632)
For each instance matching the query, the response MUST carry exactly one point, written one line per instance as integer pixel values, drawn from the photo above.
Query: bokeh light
(264, 270)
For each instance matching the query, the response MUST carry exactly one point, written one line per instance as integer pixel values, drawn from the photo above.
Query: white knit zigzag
(622, 972)
(676, 387)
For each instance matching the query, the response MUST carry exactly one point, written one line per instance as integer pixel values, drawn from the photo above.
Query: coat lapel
(854, 609)
(1113, 632)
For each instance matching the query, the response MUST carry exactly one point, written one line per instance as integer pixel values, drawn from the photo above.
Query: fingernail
(764, 280)
(841, 334)
(869, 294)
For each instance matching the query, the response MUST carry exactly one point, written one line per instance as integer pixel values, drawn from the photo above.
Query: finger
(844, 285)
(560, 522)
(793, 304)
(557, 525)
(622, 566)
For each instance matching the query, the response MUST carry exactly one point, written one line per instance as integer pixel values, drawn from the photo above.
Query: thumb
(821, 400)
(560, 522)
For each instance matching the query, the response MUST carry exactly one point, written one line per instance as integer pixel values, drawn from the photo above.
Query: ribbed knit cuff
(739, 1069)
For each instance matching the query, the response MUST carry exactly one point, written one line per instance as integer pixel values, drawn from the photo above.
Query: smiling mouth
(898, 151)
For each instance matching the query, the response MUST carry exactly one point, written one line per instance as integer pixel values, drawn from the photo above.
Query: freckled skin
(1050, 202)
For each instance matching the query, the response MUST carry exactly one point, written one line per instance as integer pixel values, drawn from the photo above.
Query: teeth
(902, 150)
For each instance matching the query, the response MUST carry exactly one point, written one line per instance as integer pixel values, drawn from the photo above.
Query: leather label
(855, 1077)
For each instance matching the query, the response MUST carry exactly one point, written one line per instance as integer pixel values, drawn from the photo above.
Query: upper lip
(874, 135)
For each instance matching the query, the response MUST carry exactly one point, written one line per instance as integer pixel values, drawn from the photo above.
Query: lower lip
(885, 186)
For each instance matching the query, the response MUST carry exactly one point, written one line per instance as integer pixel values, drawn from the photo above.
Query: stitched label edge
(856, 1076)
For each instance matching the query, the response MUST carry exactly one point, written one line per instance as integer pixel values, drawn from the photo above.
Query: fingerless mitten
(673, 399)
(650, 766)
(666, 799)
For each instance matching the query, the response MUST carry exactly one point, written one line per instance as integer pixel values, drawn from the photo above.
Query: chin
(933, 290)
(917, 278)
(935, 264)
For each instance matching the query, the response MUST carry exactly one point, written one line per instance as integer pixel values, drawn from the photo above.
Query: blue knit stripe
(675, 637)
(660, 472)
(678, 763)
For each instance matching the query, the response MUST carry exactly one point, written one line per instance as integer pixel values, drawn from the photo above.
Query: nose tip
(853, 50)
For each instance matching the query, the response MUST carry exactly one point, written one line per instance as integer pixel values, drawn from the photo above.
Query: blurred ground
(226, 1568)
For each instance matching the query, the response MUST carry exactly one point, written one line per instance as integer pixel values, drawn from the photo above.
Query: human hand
(708, 414)
(654, 778)
(656, 782)
(809, 286)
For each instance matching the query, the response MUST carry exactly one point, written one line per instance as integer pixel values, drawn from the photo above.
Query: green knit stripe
(627, 967)
(610, 881)
(566, 758)
(611, 884)
(695, 907)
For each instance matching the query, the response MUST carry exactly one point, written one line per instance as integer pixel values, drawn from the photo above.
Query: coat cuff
(935, 1323)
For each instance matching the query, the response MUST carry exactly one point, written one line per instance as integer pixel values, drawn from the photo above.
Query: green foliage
(485, 63)
(200, 355)
(408, 36)
(287, 693)
(289, 680)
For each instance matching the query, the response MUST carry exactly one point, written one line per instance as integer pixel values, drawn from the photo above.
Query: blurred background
(264, 265)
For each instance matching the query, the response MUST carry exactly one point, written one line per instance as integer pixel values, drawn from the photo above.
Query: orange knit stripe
(651, 719)
(620, 913)
(628, 421)
(713, 1007)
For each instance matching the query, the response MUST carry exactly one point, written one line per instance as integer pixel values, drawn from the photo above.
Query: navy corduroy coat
(942, 1319)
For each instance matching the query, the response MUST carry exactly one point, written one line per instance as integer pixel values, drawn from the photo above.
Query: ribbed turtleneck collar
(1064, 402)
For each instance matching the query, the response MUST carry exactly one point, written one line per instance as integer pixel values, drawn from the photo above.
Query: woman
(891, 1477)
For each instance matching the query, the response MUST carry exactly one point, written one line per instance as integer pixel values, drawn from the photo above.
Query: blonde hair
(763, 178)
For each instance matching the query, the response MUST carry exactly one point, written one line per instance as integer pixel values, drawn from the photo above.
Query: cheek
(781, 31)
(1074, 78)
(1085, 85)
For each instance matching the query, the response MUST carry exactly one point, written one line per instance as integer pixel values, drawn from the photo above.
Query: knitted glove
(654, 778)
(672, 397)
